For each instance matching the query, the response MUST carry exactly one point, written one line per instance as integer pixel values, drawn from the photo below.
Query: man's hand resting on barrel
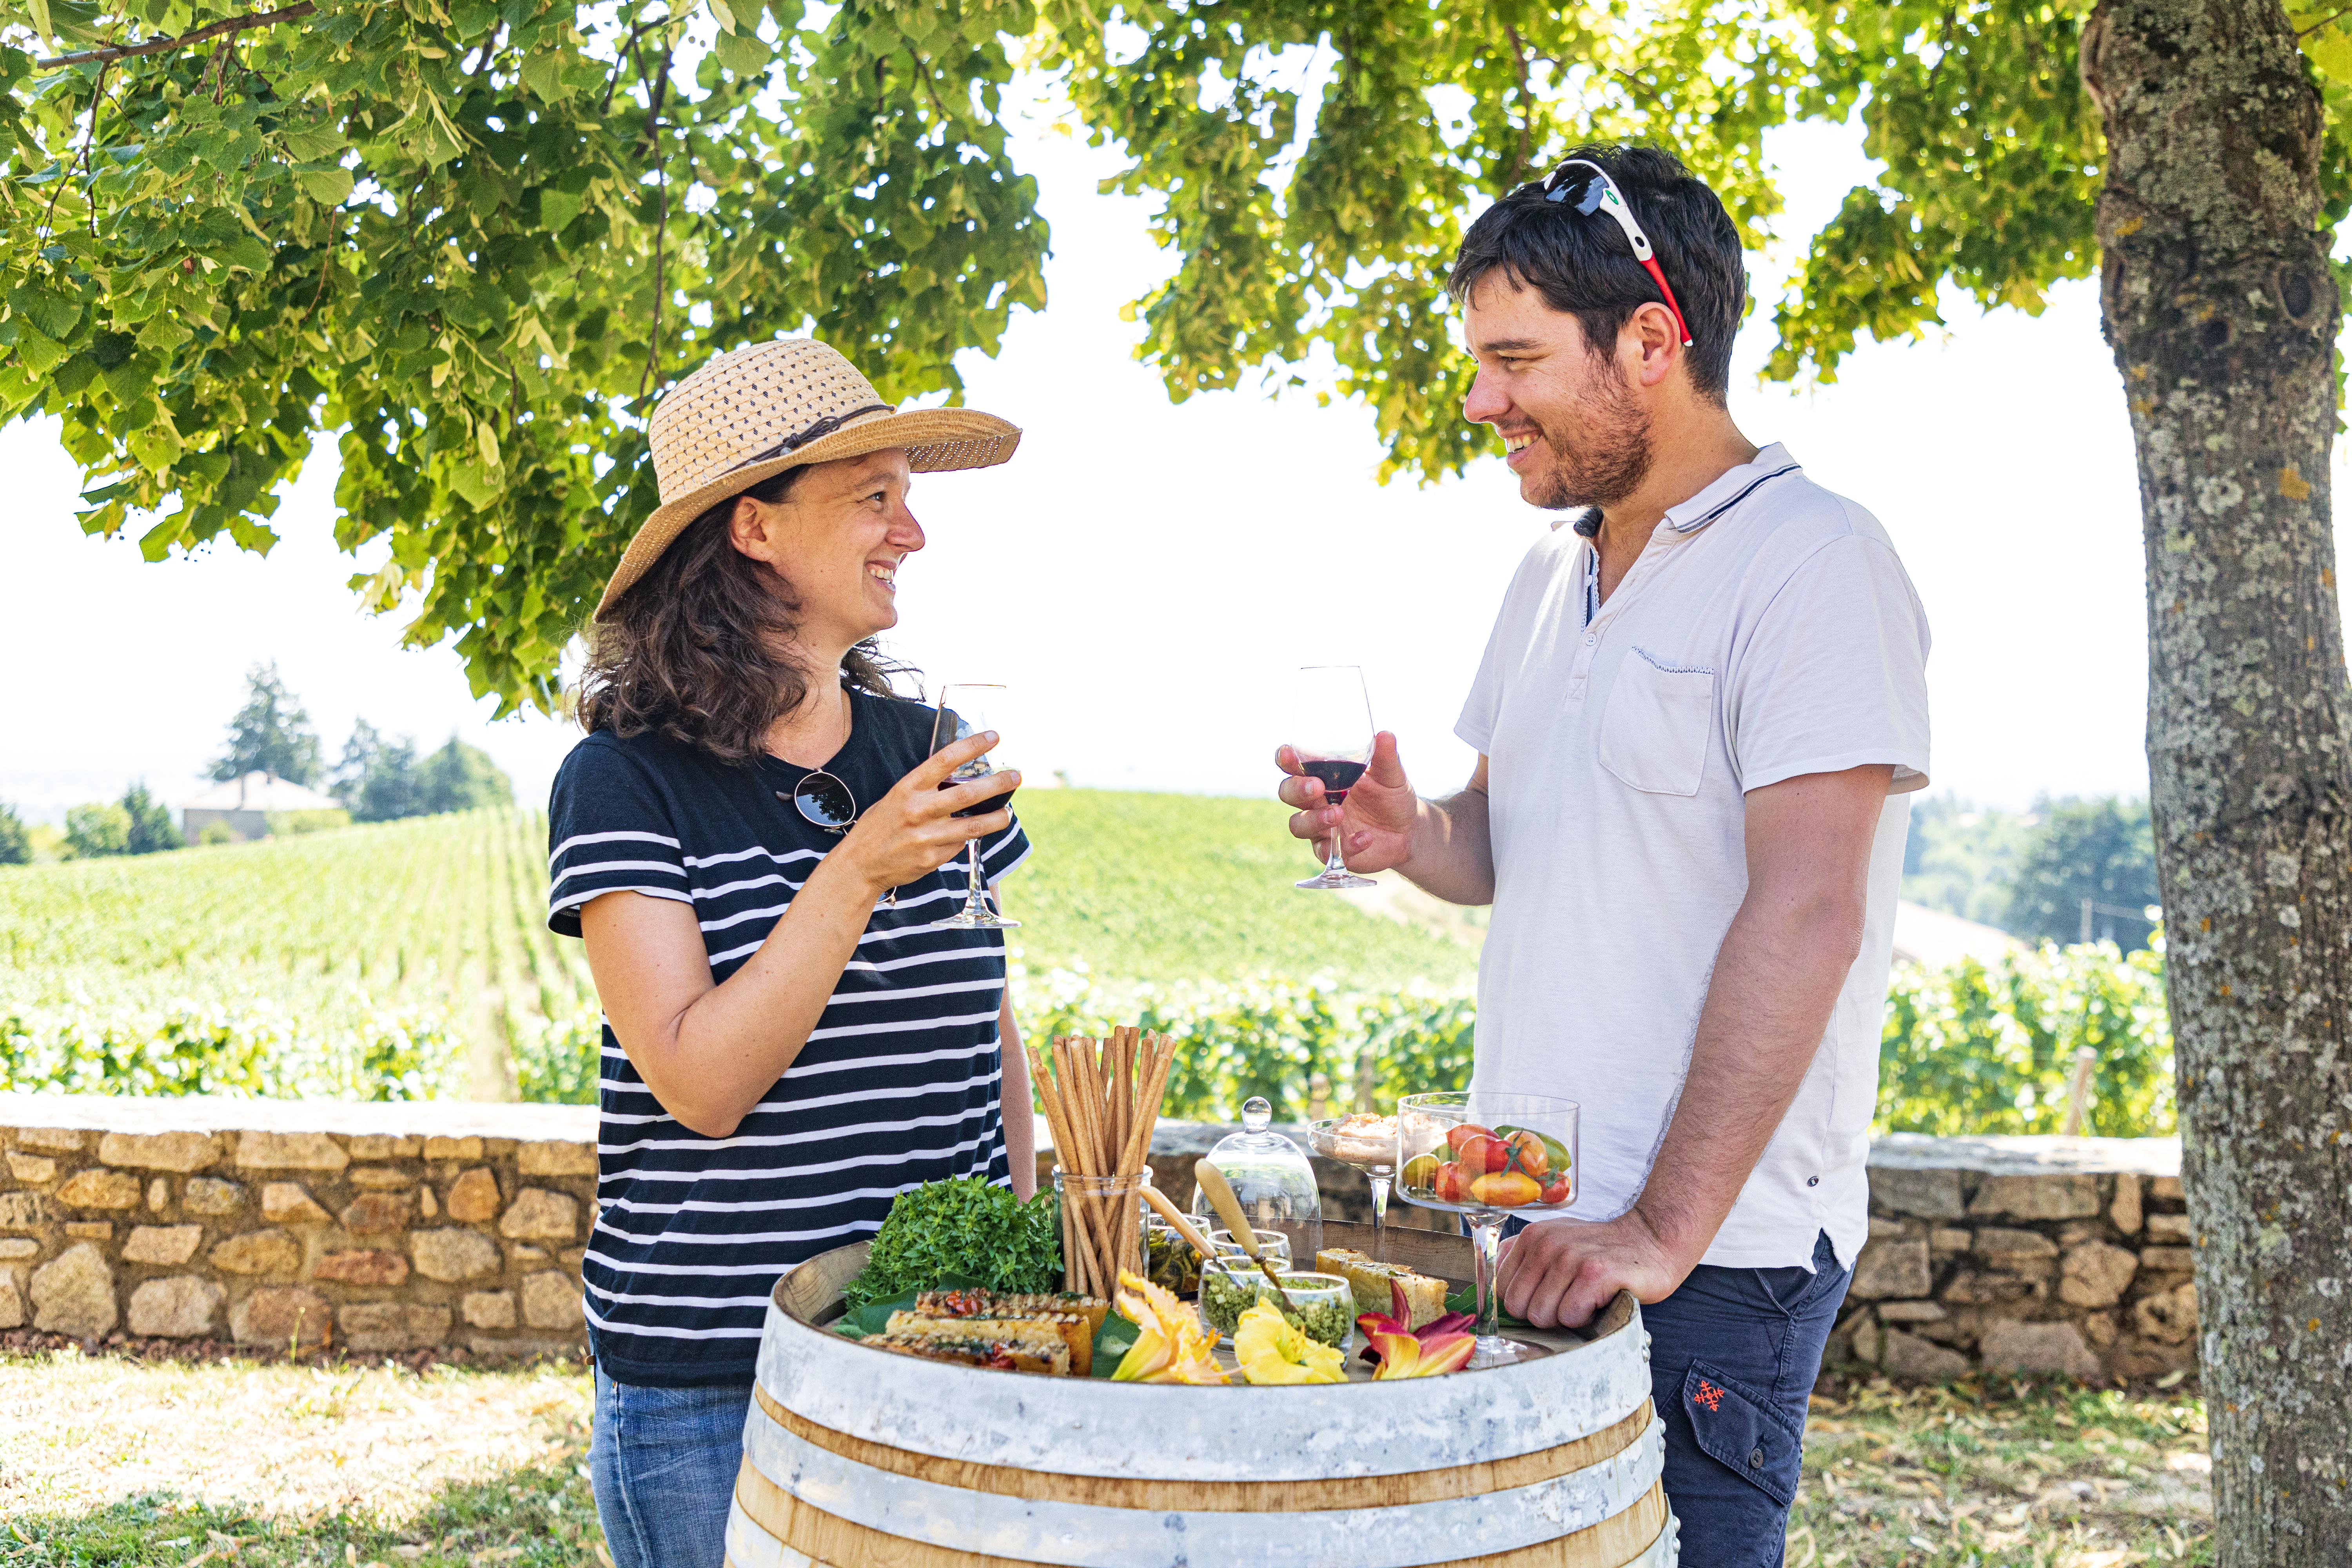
(1562, 1271)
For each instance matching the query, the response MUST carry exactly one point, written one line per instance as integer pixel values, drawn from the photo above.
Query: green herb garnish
(1467, 1300)
(969, 1229)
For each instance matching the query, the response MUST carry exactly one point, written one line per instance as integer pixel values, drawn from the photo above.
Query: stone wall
(375, 1227)
(402, 1227)
(2067, 1255)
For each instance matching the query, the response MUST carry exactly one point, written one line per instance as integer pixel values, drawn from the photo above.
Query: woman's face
(838, 537)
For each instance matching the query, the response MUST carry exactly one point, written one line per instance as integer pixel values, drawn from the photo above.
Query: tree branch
(185, 40)
(1527, 110)
(48, 215)
(627, 50)
(2331, 16)
(661, 223)
(489, 48)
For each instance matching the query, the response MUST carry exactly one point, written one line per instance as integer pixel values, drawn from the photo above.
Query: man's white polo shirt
(1766, 631)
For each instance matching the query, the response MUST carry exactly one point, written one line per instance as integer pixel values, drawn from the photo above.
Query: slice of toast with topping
(1423, 1296)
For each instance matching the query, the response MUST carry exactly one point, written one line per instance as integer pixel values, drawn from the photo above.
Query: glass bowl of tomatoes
(1487, 1157)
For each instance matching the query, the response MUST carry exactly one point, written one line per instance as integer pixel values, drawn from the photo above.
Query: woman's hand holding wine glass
(965, 710)
(913, 831)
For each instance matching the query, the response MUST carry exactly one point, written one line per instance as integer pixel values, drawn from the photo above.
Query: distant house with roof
(1934, 940)
(244, 805)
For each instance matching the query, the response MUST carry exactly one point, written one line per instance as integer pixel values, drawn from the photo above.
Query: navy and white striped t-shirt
(898, 1084)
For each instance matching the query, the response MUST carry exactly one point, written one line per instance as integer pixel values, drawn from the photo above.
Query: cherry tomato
(1456, 1135)
(1533, 1157)
(1452, 1184)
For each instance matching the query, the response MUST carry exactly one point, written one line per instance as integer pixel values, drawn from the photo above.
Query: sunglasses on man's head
(1589, 190)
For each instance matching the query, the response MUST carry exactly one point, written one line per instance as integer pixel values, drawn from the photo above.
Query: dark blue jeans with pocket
(1733, 1356)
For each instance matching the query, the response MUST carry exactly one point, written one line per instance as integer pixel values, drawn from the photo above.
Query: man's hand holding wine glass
(1375, 819)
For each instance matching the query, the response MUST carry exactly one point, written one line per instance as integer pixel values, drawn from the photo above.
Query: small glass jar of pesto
(1324, 1303)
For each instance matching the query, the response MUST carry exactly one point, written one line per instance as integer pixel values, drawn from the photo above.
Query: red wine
(1338, 777)
(993, 803)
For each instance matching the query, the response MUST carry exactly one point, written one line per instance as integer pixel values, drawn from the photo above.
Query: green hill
(412, 957)
(1175, 887)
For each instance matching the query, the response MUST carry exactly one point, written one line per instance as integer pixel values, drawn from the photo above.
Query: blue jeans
(1733, 1356)
(663, 1461)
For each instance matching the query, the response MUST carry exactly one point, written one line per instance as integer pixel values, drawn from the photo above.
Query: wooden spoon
(1229, 1208)
(1177, 1217)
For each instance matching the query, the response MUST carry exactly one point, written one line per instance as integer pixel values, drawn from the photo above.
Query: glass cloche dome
(1273, 1180)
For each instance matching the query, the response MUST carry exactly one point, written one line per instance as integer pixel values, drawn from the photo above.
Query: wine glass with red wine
(966, 711)
(1331, 731)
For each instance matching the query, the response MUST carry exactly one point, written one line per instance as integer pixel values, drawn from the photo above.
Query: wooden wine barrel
(854, 1458)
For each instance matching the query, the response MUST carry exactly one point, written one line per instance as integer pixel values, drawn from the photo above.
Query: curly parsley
(969, 1231)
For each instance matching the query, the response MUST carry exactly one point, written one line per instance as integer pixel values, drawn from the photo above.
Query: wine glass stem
(971, 904)
(1380, 1216)
(1332, 863)
(1486, 1236)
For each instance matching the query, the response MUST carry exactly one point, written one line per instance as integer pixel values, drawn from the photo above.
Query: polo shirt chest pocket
(1654, 735)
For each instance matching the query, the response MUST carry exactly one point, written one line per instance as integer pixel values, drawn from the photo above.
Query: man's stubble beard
(1610, 459)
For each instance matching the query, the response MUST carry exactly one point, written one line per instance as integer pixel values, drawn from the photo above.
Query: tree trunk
(2222, 313)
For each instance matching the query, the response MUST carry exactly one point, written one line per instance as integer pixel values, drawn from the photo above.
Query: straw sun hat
(747, 417)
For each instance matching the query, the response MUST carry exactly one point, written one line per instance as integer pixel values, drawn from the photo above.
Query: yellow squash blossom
(1272, 1352)
(1173, 1348)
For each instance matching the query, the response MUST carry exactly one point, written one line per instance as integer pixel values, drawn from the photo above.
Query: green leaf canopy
(477, 236)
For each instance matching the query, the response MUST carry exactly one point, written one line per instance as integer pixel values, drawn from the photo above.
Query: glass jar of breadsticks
(1103, 1229)
(1101, 1099)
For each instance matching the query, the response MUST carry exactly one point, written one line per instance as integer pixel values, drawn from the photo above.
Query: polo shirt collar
(1730, 487)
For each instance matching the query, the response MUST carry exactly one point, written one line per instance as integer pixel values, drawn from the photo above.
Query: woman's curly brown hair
(696, 650)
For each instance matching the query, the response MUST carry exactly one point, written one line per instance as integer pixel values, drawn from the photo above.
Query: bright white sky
(1146, 573)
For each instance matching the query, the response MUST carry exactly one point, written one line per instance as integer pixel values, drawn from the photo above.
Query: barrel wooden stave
(1643, 1536)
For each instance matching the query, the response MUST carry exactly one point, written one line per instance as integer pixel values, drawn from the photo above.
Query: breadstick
(1101, 1235)
(1077, 1272)
(1122, 1095)
(1155, 1089)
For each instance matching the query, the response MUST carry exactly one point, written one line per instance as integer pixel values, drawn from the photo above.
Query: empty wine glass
(1331, 731)
(965, 710)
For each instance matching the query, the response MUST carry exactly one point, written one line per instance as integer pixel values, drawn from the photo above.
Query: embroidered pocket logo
(1708, 1395)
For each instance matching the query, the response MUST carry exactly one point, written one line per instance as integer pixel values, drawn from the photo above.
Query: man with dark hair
(1699, 717)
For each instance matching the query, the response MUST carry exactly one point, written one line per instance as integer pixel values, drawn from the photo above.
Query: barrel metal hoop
(1092, 1427)
(1219, 1497)
(1076, 1535)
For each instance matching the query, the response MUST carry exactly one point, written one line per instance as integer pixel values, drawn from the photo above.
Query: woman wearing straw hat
(751, 841)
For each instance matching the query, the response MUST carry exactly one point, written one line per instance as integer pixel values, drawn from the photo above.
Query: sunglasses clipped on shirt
(1589, 190)
(825, 801)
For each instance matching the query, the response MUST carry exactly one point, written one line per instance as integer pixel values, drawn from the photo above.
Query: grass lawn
(110, 1461)
(1982, 1472)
